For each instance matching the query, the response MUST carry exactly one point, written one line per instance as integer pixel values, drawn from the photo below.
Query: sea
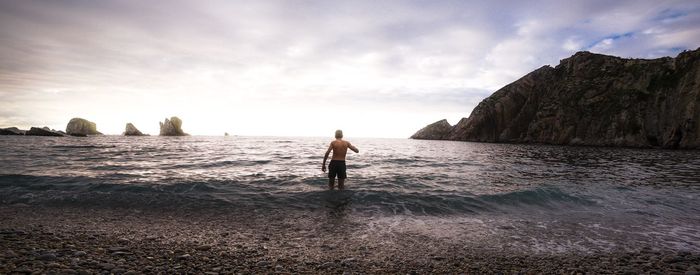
(537, 197)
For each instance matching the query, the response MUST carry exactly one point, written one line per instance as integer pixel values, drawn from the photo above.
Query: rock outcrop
(172, 127)
(45, 131)
(437, 130)
(81, 127)
(12, 131)
(594, 99)
(132, 131)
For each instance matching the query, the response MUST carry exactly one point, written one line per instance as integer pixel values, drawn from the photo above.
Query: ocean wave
(234, 163)
(62, 146)
(184, 166)
(543, 197)
(262, 195)
(409, 160)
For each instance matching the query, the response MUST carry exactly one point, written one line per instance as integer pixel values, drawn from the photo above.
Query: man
(337, 165)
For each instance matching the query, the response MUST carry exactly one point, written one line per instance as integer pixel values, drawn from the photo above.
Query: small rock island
(12, 131)
(172, 127)
(44, 131)
(591, 99)
(131, 130)
(81, 127)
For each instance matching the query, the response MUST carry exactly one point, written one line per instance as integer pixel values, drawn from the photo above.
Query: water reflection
(337, 204)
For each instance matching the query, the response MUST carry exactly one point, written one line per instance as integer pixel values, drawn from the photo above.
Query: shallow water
(543, 198)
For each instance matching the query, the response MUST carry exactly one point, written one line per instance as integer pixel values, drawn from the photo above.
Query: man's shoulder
(340, 142)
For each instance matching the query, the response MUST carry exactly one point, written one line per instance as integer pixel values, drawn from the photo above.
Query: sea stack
(81, 127)
(132, 131)
(172, 127)
(598, 100)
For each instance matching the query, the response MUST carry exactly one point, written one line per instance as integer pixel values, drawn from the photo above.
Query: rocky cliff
(81, 127)
(594, 99)
(437, 130)
(172, 127)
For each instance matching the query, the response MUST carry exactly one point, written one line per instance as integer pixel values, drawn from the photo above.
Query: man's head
(338, 133)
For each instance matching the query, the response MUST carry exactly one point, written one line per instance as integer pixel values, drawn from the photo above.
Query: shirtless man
(337, 165)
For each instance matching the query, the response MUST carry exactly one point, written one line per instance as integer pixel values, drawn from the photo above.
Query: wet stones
(106, 266)
(117, 249)
(180, 248)
(79, 253)
(47, 257)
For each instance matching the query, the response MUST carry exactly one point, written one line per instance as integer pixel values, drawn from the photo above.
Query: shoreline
(88, 240)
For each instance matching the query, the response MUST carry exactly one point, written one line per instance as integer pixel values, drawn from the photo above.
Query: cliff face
(593, 99)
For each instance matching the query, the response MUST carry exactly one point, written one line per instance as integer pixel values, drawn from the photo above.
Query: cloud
(218, 64)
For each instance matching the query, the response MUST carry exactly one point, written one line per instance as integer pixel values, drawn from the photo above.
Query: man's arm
(323, 167)
(353, 148)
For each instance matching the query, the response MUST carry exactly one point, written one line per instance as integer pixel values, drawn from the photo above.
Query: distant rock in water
(172, 127)
(437, 130)
(226, 134)
(12, 131)
(594, 99)
(132, 131)
(81, 127)
(36, 131)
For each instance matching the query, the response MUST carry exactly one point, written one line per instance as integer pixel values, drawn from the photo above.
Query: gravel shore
(77, 240)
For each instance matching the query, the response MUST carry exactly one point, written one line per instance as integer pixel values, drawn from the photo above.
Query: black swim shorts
(337, 167)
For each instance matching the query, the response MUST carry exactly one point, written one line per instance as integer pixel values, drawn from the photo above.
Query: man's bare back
(339, 147)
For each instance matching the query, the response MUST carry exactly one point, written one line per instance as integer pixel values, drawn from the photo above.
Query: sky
(301, 68)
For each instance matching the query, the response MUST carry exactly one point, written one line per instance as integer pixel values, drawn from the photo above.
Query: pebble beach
(71, 240)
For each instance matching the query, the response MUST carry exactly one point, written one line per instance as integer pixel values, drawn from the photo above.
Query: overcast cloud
(372, 68)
